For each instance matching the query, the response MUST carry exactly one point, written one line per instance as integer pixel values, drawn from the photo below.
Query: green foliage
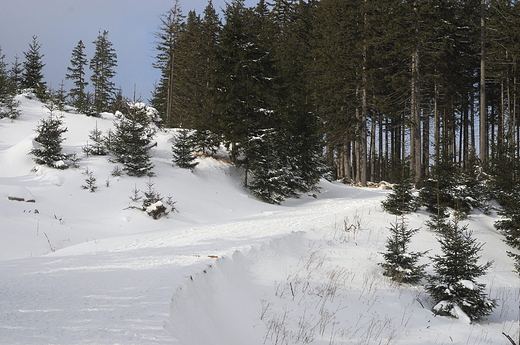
(32, 76)
(8, 105)
(454, 285)
(49, 138)
(509, 225)
(76, 73)
(90, 181)
(268, 164)
(400, 264)
(164, 95)
(456, 189)
(152, 201)
(401, 200)
(182, 149)
(97, 146)
(102, 65)
(132, 139)
(206, 142)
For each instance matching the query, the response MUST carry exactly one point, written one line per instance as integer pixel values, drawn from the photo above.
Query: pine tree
(454, 286)
(400, 264)
(90, 181)
(132, 139)
(102, 65)
(401, 200)
(246, 77)
(49, 139)
(15, 74)
(205, 142)
(269, 167)
(164, 96)
(59, 97)
(8, 105)
(438, 191)
(76, 73)
(509, 225)
(32, 70)
(182, 150)
(97, 147)
(292, 32)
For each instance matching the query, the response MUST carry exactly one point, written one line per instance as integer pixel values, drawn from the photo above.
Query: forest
(379, 82)
(415, 92)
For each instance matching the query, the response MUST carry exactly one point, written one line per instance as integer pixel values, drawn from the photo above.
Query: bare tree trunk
(415, 107)
(373, 151)
(348, 160)
(381, 148)
(483, 110)
(169, 92)
(436, 129)
(425, 144)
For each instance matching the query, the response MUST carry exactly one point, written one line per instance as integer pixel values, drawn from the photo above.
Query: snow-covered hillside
(83, 268)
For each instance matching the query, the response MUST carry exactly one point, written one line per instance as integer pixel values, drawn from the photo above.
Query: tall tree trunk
(169, 92)
(425, 144)
(436, 124)
(373, 150)
(415, 106)
(381, 148)
(483, 111)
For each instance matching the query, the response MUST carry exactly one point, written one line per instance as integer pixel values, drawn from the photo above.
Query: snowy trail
(83, 268)
(118, 290)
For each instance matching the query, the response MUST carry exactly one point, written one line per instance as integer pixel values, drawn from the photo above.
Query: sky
(60, 24)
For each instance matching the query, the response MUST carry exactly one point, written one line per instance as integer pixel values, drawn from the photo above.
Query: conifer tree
(400, 264)
(401, 200)
(509, 225)
(132, 139)
(97, 146)
(205, 142)
(32, 70)
(102, 65)
(15, 74)
(59, 97)
(182, 150)
(268, 165)
(8, 105)
(76, 73)
(164, 96)
(454, 287)
(49, 138)
(245, 85)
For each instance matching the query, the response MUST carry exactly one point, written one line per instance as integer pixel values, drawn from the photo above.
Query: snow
(224, 269)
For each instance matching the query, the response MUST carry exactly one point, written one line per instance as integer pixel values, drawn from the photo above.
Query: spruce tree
(49, 138)
(15, 74)
(401, 200)
(205, 142)
(132, 139)
(97, 146)
(400, 264)
(164, 95)
(32, 70)
(268, 172)
(509, 225)
(102, 65)
(8, 104)
(182, 150)
(76, 73)
(454, 287)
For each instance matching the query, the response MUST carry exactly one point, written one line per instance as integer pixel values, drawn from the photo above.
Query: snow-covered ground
(83, 268)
